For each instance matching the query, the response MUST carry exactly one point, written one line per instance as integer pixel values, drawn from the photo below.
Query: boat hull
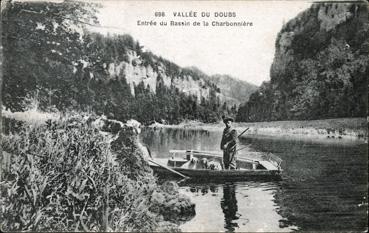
(204, 174)
(248, 169)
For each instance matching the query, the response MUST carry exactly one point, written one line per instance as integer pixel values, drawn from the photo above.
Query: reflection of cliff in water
(229, 207)
(323, 187)
(307, 204)
(162, 140)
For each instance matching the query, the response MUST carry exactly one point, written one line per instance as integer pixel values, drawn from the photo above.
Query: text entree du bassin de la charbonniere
(190, 18)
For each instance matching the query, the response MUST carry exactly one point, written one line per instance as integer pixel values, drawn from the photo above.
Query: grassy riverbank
(78, 173)
(340, 128)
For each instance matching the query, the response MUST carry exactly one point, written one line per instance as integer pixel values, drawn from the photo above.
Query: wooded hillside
(51, 58)
(320, 68)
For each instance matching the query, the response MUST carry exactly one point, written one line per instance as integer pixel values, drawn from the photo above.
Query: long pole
(169, 169)
(165, 167)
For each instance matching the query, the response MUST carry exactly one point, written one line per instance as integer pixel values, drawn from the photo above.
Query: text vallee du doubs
(195, 14)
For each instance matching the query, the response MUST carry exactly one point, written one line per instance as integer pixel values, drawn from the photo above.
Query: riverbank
(82, 173)
(334, 129)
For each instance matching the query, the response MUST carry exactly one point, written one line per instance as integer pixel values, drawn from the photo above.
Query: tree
(38, 42)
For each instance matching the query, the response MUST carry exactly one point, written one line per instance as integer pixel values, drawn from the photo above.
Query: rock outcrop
(135, 72)
(320, 67)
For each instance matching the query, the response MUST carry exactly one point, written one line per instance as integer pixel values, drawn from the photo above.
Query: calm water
(324, 185)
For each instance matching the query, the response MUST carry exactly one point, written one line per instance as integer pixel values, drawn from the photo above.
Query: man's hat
(225, 119)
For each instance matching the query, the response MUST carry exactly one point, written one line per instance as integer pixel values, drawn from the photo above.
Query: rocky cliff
(235, 90)
(135, 71)
(228, 89)
(320, 67)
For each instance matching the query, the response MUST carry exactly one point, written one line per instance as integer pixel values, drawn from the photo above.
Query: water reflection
(163, 140)
(234, 207)
(229, 207)
(324, 186)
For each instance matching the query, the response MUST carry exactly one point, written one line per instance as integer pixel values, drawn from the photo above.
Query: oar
(165, 167)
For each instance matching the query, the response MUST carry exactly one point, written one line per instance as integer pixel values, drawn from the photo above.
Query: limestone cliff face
(315, 29)
(135, 72)
(320, 67)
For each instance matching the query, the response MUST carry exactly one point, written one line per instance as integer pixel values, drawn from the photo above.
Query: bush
(65, 176)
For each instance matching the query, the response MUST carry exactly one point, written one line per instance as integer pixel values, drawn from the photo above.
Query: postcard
(193, 116)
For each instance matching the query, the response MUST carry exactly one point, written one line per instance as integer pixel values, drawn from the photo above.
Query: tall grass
(65, 175)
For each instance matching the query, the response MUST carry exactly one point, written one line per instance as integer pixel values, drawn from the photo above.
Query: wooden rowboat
(191, 164)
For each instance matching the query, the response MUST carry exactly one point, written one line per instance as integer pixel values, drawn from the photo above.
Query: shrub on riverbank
(67, 175)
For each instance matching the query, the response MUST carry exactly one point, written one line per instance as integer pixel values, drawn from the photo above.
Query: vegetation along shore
(339, 128)
(82, 173)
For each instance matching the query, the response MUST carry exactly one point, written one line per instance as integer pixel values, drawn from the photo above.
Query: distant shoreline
(335, 129)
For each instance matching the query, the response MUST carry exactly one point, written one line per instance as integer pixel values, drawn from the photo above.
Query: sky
(244, 52)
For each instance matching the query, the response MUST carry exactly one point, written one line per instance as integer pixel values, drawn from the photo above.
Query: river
(323, 186)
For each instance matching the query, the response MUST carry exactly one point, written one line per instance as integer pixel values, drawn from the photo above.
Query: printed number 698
(159, 14)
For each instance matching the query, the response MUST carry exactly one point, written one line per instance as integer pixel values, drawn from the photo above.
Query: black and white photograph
(184, 116)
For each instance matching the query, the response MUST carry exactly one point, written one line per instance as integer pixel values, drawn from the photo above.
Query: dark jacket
(229, 139)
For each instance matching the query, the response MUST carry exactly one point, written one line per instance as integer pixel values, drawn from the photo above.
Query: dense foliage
(41, 49)
(320, 68)
(67, 176)
(50, 56)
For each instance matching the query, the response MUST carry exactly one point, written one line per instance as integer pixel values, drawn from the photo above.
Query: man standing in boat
(229, 144)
